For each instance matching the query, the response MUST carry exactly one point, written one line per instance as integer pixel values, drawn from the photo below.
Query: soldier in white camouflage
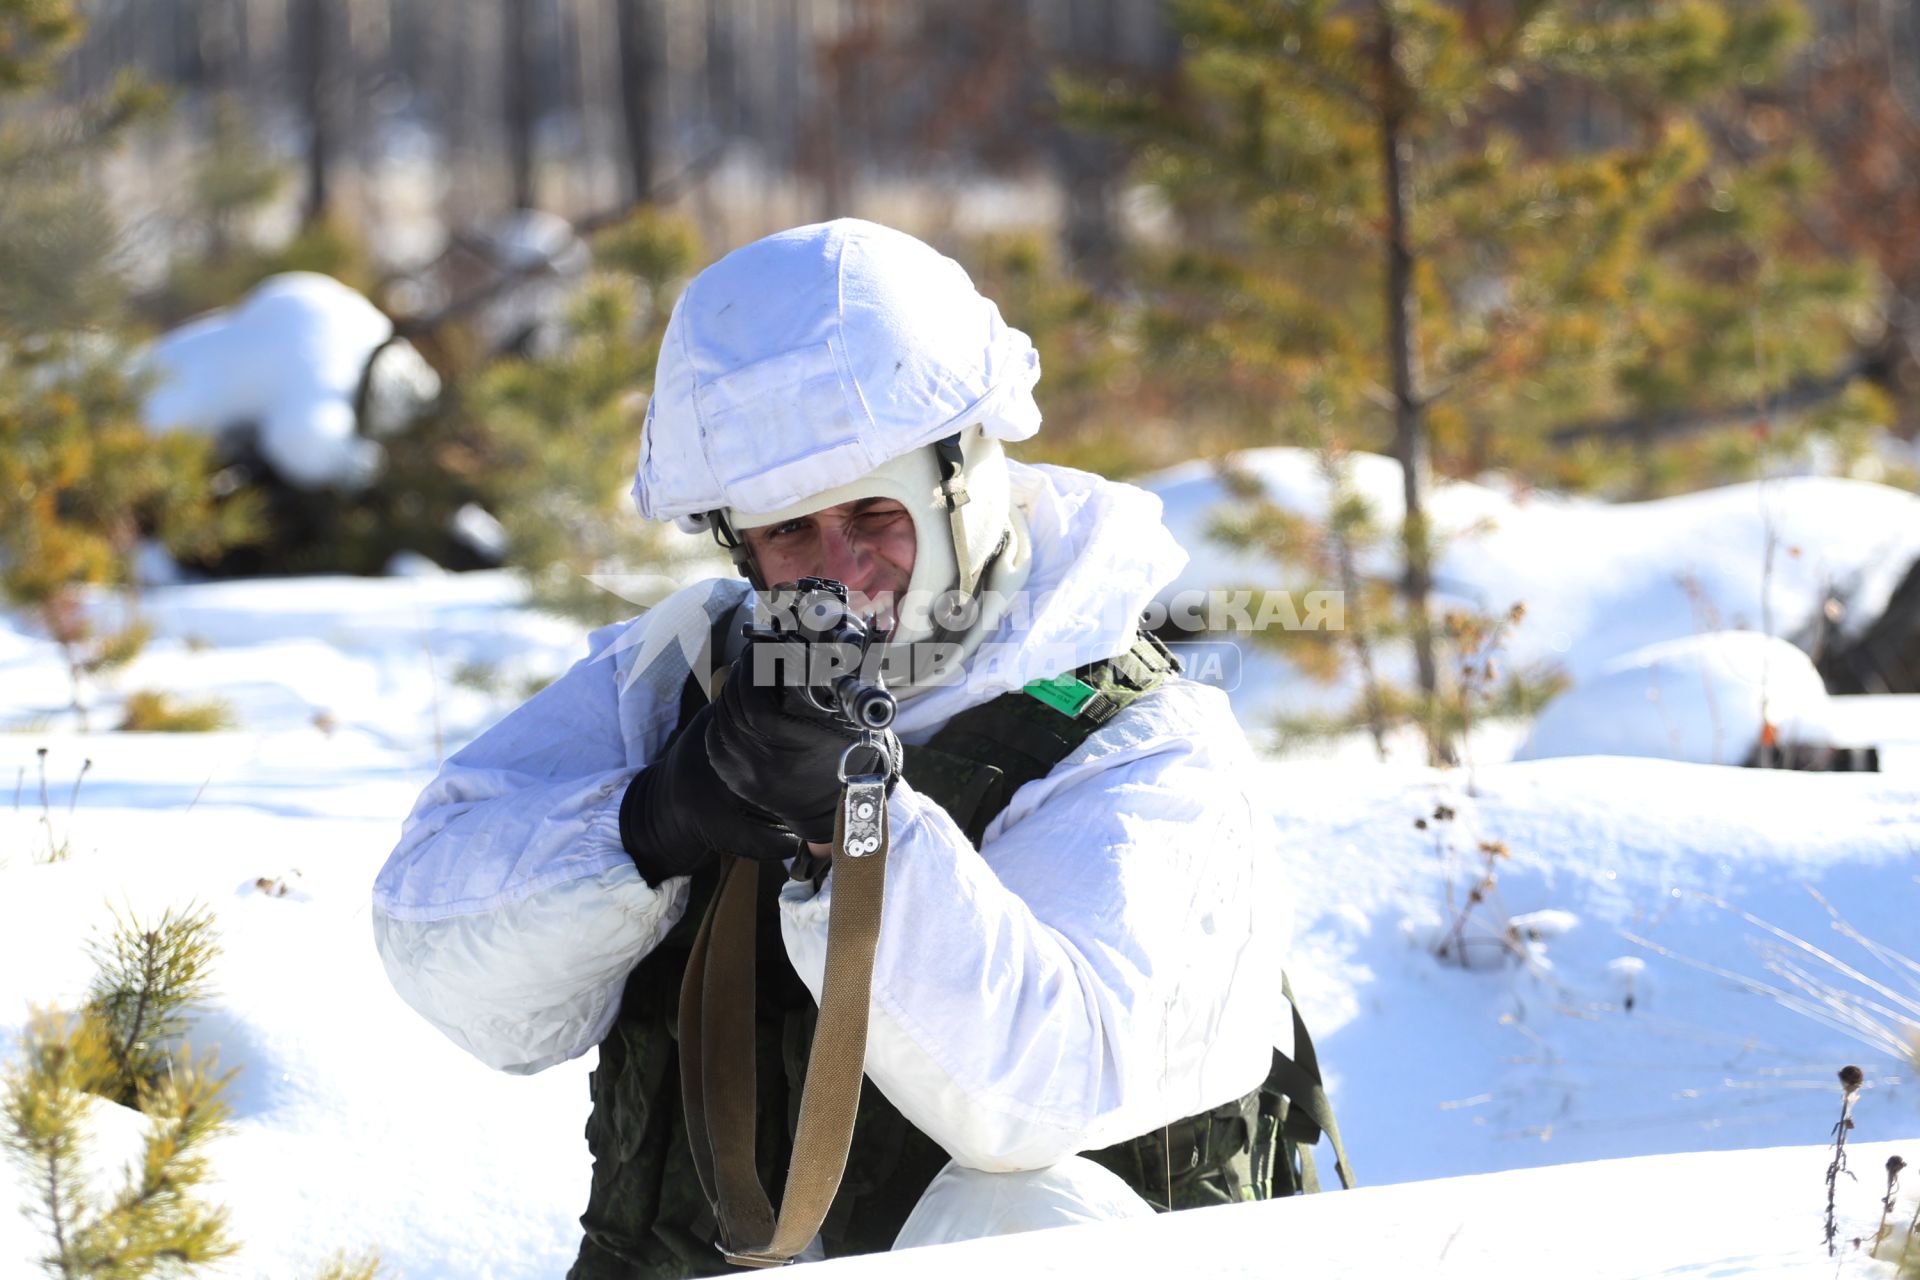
(1077, 992)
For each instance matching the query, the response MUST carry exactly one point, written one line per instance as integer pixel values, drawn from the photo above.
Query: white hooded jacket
(1106, 962)
(1103, 964)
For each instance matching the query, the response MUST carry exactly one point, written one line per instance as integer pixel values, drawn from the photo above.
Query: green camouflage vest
(646, 1216)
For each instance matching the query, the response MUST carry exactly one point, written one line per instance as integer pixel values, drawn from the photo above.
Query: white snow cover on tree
(285, 364)
(1696, 699)
(532, 238)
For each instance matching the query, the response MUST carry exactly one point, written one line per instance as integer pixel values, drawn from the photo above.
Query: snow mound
(1683, 1217)
(1696, 699)
(284, 365)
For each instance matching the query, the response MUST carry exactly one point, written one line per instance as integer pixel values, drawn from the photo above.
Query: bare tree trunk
(720, 74)
(639, 36)
(310, 28)
(1089, 165)
(216, 35)
(519, 58)
(1410, 442)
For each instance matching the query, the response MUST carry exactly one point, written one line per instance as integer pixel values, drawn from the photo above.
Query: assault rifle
(814, 617)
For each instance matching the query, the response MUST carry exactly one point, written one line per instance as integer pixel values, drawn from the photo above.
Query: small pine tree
(148, 977)
(1371, 195)
(1336, 549)
(153, 1224)
(81, 481)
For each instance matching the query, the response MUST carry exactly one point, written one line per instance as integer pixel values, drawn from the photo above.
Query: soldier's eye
(872, 522)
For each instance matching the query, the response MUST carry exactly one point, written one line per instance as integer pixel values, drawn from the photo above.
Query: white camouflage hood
(804, 360)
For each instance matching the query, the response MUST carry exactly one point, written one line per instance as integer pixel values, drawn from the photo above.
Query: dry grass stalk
(1894, 1165)
(1851, 1078)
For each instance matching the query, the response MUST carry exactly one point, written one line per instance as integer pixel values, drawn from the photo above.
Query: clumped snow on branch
(283, 367)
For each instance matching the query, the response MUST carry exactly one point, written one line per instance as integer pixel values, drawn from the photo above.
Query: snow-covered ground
(1674, 958)
(1602, 583)
(1705, 1216)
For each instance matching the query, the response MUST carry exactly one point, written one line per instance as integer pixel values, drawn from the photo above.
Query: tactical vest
(646, 1216)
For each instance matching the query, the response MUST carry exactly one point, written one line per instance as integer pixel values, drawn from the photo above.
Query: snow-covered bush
(284, 368)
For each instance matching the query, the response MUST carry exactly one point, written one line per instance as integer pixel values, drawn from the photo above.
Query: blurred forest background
(1625, 247)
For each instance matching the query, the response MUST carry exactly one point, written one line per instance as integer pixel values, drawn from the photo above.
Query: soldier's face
(868, 544)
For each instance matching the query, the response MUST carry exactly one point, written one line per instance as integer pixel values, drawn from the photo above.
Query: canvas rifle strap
(717, 1050)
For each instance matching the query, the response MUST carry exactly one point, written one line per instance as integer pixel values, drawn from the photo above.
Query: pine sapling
(1851, 1078)
(148, 977)
(153, 1224)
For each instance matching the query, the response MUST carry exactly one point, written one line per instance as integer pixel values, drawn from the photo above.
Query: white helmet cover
(841, 361)
(804, 361)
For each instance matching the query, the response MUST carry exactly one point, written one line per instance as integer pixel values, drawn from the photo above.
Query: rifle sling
(717, 1056)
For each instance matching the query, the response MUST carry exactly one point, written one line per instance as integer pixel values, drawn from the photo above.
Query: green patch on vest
(1066, 694)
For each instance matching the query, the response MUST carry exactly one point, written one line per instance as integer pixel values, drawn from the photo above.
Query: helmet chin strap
(730, 541)
(953, 491)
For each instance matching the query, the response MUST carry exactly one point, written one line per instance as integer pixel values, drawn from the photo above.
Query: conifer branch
(153, 1224)
(1501, 57)
(1673, 424)
(1330, 83)
(148, 977)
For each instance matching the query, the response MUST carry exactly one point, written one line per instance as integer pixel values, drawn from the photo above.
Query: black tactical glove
(767, 741)
(677, 814)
